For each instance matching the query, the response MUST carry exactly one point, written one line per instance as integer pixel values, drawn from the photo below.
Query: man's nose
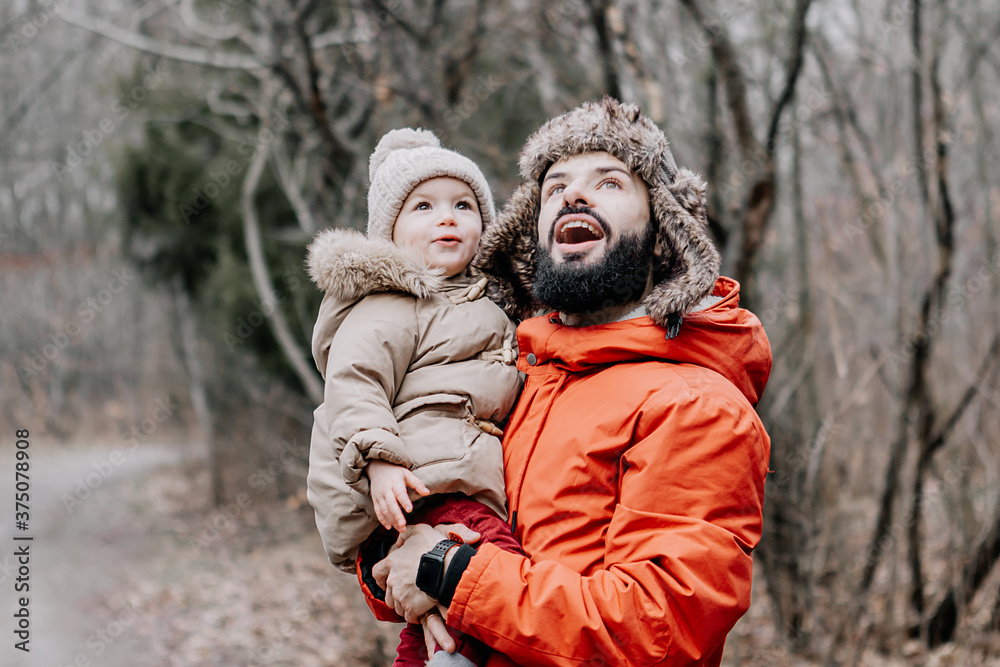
(575, 194)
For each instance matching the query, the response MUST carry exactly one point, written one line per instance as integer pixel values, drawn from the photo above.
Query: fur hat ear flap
(508, 251)
(690, 192)
(689, 261)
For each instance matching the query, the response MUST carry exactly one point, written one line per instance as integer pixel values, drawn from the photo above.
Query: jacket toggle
(488, 427)
(674, 322)
(475, 291)
(504, 355)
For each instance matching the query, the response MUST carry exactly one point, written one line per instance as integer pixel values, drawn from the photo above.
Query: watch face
(429, 574)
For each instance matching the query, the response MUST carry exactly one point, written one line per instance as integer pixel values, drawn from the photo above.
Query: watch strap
(434, 559)
(453, 575)
(442, 547)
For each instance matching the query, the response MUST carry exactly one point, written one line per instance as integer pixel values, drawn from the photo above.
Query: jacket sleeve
(677, 567)
(368, 358)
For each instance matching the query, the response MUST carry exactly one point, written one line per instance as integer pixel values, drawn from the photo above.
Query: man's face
(595, 237)
(589, 202)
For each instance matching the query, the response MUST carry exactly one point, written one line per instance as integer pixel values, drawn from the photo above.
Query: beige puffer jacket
(418, 369)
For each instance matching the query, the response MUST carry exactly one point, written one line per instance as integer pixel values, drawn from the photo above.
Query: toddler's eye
(464, 206)
(422, 206)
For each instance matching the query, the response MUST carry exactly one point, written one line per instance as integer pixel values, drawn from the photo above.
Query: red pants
(450, 508)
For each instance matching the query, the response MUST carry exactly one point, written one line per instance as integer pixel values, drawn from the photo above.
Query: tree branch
(795, 60)
(941, 435)
(732, 78)
(407, 27)
(605, 43)
(940, 628)
(183, 53)
(262, 280)
(46, 82)
(192, 54)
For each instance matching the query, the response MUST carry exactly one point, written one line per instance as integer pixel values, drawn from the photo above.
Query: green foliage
(172, 228)
(180, 194)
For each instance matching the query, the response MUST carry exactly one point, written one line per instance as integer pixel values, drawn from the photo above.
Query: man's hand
(389, 484)
(397, 572)
(436, 634)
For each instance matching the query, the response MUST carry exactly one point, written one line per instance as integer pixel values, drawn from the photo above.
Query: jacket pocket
(436, 428)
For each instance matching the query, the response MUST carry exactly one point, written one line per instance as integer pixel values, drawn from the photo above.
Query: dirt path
(129, 566)
(74, 558)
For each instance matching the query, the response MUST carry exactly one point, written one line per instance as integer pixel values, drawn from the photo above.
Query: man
(634, 460)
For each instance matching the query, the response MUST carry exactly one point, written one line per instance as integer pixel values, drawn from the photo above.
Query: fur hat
(405, 158)
(689, 264)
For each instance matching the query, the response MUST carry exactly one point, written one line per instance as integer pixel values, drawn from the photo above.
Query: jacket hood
(724, 338)
(349, 266)
(689, 262)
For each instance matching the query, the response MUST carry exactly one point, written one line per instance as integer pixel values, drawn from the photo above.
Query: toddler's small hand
(389, 484)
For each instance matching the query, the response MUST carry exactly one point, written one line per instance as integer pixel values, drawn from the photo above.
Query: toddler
(418, 368)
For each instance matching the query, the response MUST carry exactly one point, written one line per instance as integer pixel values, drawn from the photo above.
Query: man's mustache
(586, 210)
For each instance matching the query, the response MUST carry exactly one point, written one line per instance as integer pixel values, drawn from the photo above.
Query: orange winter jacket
(635, 477)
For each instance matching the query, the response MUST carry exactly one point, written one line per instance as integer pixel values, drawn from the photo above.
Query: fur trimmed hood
(689, 264)
(349, 266)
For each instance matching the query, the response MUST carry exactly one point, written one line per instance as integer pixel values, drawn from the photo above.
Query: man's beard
(619, 278)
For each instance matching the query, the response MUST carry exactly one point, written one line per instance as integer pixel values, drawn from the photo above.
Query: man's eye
(611, 184)
(556, 189)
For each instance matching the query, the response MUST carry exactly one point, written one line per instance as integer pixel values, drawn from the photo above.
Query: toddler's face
(441, 221)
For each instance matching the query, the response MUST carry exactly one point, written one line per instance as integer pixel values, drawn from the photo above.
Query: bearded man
(634, 460)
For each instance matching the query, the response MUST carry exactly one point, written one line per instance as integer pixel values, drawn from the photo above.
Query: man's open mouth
(576, 229)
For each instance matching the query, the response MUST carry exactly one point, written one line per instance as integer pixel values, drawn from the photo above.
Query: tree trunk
(188, 326)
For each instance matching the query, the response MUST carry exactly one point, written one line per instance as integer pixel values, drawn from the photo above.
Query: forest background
(165, 163)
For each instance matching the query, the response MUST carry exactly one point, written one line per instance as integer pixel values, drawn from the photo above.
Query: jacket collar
(349, 266)
(722, 337)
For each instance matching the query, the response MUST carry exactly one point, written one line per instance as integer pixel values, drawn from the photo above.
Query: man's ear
(654, 224)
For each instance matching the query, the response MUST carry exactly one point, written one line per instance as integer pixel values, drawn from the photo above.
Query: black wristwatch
(430, 573)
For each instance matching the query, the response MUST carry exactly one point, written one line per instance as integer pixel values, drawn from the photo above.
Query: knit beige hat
(405, 158)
